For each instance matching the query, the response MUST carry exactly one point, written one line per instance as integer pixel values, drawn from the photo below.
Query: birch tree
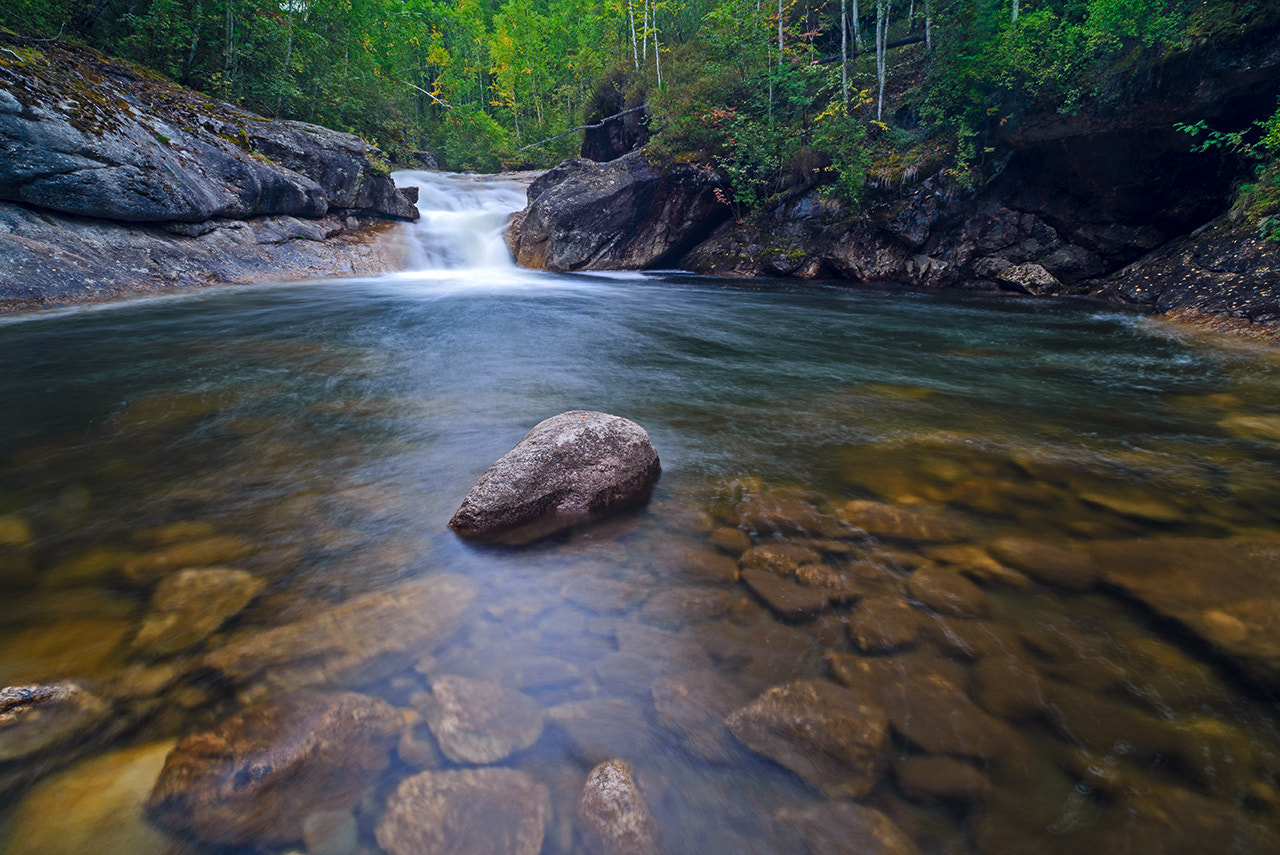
(882, 40)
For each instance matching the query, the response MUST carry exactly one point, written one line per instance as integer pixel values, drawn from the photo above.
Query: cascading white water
(462, 220)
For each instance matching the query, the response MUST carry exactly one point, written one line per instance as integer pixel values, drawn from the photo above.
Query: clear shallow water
(334, 427)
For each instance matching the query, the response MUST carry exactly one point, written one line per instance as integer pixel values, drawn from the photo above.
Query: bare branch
(599, 124)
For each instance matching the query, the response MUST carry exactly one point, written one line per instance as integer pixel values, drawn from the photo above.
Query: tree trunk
(844, 55)
(928, 26)
(779, 30)
(882, 34)
(857, 28)
(635, 49)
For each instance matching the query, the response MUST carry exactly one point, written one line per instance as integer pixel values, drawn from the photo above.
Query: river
(318, 436)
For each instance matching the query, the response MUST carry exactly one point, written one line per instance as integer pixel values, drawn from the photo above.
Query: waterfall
(462, 220)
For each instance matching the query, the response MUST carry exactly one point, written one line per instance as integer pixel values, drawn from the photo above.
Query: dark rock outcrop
(88, 136)
(259, 774)
(1064, 201)
(113, 179)
(570, 469)
(626, 214)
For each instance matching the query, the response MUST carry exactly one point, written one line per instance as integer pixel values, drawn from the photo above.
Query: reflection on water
(1001, 571)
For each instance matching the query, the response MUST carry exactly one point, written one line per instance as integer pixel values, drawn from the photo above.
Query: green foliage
(1257, 203)
(479, 81)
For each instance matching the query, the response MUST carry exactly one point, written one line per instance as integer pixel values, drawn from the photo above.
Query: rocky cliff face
(88, 145)
(626, 214)
(1068, 201)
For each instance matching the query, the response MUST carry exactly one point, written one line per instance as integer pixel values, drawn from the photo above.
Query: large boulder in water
(626, 214)
(257, 776)
(570, 469)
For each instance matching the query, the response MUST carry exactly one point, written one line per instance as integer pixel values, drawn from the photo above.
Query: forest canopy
(774, 93)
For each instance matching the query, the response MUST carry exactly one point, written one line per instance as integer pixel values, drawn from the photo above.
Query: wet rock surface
(480, 811)
(92, 138)
(34, 718)
(569, 470)
(613, 817)
(625, 214)
(260, 773)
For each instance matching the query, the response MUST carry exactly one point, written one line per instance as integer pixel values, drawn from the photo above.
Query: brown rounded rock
(569, 470)
(476, 811)
(256, 776)
(820, 731)
(479, 722)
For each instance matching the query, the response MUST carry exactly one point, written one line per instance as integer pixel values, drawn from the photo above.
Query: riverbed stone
(946, 591)
(1222, 589)
(819, 730)
(894, 522)
(15, 531)
(926, 778)
(204, 552)
(1008, 686)
(786, 597)
(613, 817)
(600, 729)
(1065, 567)
(34, 718)
(353, 643)
(570, 469)
(779, 558)
(884, 624)
(95, 806)
(72, 648)
(674, 607)
(603, 595)
(256, 776)
(480, 722)
(768, 514)
(189, 606)
(846, 826)
(694, 706)
(476, 811)
(731, 539)
(697, 565)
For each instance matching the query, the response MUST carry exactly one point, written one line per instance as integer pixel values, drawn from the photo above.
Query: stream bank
(116, 181)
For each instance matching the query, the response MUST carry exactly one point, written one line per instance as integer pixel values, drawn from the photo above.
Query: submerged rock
(476, 811)
(612, 814)
(190, 605)
(258, 775)
(96, 806)
(479, 722)
(694, 705)
(820, 731)
(845, 826)
(354, 643)
(33, 718)
(1222, 589)
(570, 469)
